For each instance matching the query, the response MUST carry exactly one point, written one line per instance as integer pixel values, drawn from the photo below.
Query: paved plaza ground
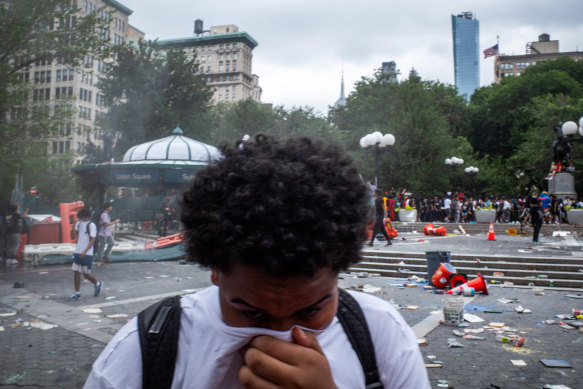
(34, 355)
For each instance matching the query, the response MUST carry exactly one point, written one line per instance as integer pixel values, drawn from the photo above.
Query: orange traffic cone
(491, 235)
(479, 284)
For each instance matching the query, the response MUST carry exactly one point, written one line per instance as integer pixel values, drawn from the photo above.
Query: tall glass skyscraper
(466, 53)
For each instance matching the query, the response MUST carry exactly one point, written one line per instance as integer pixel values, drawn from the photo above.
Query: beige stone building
(54, 80)
(543, 50)
(225, 57)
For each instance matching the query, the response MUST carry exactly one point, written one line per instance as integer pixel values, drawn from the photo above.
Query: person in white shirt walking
(83, 255)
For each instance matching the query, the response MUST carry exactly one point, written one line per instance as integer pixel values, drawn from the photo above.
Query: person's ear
(215, 277)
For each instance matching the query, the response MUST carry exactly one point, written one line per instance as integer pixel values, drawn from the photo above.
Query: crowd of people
(458, 207)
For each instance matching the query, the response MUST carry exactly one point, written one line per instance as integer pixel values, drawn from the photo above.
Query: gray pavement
(61, 357)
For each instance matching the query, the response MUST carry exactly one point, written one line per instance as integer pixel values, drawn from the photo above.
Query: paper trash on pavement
(371, 289)
(472, 318)
(42, 325)
(452, 342)
(92, 310)
(115, 316)
(518, 362)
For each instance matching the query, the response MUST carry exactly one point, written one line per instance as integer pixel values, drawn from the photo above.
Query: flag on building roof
(491, 51)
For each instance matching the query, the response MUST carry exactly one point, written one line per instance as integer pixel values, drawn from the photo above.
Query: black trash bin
(434, 260)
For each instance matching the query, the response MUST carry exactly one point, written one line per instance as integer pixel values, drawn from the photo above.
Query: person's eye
(308, 312)
(253, 315)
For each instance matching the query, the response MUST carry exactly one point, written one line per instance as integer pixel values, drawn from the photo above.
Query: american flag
(491, 51)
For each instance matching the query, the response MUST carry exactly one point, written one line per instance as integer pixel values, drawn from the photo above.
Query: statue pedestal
(562, 185)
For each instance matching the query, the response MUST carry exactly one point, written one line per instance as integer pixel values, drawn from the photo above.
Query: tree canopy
(39, 32)
(150, 93)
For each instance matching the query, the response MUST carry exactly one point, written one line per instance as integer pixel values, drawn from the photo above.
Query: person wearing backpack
(275, 222)
(86, 231)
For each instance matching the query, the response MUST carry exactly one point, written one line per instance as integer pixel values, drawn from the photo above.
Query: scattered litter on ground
(110, 298)
(473, 337)
(458, 333)
(412, 307)
(507, 301)
(442, 384)
(575, 296)
(556, 363)
(92, 310)
(520, 309)
(371, 289)
(422, 342)
(518, 362)
(472, 318)
(431, 365)
(452, 342)
(42, 325)
(474, 330)
(561, 233)
(164, 276)
(1, 328)
(431, 357)
(496, 325)
(549, 386)
(117, 315)
(566, 326)
(498, 274)
(6, 314)
(473, 307)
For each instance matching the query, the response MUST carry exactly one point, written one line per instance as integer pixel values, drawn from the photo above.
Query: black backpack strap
(352, 319)
(159, 327)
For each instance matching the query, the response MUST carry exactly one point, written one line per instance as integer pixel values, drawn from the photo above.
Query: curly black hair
(287, 208)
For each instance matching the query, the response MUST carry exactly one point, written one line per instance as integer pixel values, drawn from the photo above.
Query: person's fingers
(306, 339)
(265, 365)
(250, 380)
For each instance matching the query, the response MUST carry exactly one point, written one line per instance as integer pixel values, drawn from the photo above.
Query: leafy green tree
(424, 117)
(37, 32)
(500, 113)
(151, 93)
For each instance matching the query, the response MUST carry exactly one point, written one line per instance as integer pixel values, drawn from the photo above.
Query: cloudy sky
(304, 45)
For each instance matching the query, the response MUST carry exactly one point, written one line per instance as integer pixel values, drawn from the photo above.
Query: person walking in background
(105, 236)
(12, 227)
(167, 210)
(380, 218)
(83, 256)
(536, 218)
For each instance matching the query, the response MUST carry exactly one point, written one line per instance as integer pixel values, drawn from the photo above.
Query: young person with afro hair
(275, 222)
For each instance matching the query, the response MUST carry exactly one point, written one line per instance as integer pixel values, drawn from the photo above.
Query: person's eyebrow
(238, 300)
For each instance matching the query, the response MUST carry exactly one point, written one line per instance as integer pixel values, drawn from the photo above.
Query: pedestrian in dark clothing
(12, 228)
(536, 218)
(380, 217)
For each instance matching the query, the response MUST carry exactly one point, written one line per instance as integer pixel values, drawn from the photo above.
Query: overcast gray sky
(304, 44)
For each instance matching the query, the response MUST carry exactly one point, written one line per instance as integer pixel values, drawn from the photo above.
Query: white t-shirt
(208, 350)
(446, 203)
(84, 238)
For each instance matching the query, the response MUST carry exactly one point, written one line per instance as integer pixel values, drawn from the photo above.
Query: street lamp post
(380, 143)
(454, 162)
(471, 171)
